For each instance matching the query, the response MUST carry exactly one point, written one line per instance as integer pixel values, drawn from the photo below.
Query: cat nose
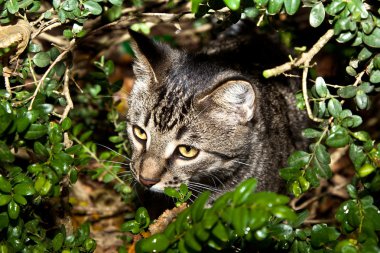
(148, 182)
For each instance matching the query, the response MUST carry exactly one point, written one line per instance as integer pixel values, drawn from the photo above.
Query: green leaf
(347, 91)
(334, 107)
(322, 155)
(5, 199)
(20, 199)
(338, 139)
(352, 121)
(298, 159)
(155, 243)
(142, 217)
(290, 173)
(5, 121)
(40, 149)
(283, 212)
(5, 185)
(323, 169)
(13, 210)
(220, 232)
(12, 6)
(357, 155)
(5, 154)
(69, 5)
(66, 124)
(4, 222)
(372, 39)
(131, 226)
(93, 7)
(321, 235)
(25, 189)
(364, 54)
(366, 169)
(171, 192)
(197, 209)
(243, 191)
(195, 5)
(41, 59)
(261, 3)
(191, 241)
(22, 124)
(362, 136)
(375, 76)
(274, 6)
(361, 100)
(349, 69)
(116, 2)
(357, 9)
(292, 6)
(233, 5)
(317, 15)
(36, 131)
(58, 241)
(258, 218)
(311, 133)
(240, 219)
(335, 7)
(321, 87)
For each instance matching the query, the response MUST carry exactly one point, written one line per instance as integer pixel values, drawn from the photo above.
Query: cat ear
(148, 55)
(236, 97)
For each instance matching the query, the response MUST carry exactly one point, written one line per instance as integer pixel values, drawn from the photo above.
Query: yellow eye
(188, 151)
(139, 133)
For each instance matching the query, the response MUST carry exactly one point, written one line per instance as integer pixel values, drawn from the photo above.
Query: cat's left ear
(149, 56)
(237, 97)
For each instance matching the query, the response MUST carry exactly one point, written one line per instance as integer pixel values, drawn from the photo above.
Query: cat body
(208, 120)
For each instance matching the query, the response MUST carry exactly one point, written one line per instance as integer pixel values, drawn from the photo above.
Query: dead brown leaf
(15, 35)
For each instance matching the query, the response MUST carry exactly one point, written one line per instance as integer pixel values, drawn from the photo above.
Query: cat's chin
(156, 188)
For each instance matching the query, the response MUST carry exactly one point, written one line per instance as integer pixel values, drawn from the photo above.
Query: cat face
(188, 118)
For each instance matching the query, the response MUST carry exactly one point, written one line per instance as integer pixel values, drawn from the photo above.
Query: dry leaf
(15, 35)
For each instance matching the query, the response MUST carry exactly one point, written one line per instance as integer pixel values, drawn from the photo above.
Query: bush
(45, 142)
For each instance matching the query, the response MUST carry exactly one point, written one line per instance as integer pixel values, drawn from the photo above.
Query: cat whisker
(214, 176)
(110, 149)
(115, 162)
(204, 187)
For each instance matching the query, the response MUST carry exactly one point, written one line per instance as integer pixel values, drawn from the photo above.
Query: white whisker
(110, 149)
(204, 187)
(115, 162)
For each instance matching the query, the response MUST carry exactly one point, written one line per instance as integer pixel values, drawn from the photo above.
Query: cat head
(188, 117)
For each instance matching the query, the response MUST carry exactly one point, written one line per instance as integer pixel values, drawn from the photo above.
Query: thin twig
(66, 93)
(41, 17)
(58, 59)
(308, 56)
(305, 95)
(48, 26)
(6, 80)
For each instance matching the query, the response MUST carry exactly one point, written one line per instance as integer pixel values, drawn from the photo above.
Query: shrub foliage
(45, 142)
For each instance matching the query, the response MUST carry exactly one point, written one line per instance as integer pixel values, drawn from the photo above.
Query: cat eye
(188, 151)
(139, 133)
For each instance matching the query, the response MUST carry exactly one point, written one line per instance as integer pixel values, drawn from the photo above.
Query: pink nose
(148, 182)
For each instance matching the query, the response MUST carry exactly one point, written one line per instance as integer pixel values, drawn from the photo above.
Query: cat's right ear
(236, 97)
(148, 56)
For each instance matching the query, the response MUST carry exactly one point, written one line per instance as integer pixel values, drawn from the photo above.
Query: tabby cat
(207, 119)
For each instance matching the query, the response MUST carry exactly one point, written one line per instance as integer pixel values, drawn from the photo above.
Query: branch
(305, 57)
(58, 59)
(66, 93)
(304, 92)
(6, 80)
